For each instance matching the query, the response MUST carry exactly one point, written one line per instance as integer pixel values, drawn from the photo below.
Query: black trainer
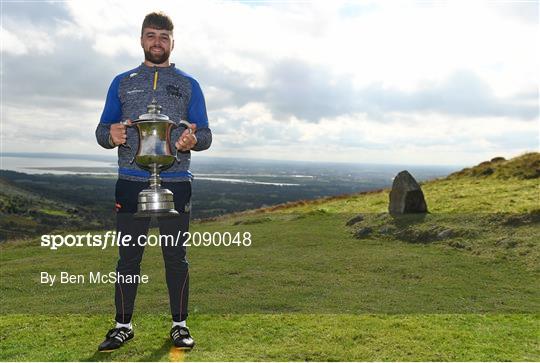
(181, 338)
(115, 338)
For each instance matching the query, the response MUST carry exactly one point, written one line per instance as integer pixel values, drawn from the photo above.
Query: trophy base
(156, 202)
(161, 213)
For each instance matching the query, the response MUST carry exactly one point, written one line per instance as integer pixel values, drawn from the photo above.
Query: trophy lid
(153, 113)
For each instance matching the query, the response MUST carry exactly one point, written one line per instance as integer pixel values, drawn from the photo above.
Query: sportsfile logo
(113, 239)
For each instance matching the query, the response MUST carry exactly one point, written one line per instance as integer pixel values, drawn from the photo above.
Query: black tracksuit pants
(129, 263)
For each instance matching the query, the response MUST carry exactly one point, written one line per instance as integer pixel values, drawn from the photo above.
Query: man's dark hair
(157, 20)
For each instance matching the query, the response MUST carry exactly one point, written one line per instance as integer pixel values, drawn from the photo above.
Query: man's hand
(118, 133)
(187, 140)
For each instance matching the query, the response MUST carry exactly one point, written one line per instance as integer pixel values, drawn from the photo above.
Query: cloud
(26, 29)
(522, 11)
(462, 94)
(38, 13)
(448, 140)
(289, 80)
(299, 89)
(26, 41)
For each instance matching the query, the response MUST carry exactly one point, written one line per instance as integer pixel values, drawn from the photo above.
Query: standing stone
(406, 195)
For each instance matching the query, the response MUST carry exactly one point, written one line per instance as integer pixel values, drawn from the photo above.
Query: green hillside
(459, 283)
(526, 166)
(28, 208)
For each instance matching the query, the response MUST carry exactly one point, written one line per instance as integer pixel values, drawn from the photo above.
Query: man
(181, 98)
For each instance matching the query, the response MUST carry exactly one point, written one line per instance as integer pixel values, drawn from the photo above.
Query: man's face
(157, 45)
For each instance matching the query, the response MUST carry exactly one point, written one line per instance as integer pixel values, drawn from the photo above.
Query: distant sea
(41, 164)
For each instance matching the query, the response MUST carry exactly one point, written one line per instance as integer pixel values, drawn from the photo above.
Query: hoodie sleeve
(112, 113)
(197, 115)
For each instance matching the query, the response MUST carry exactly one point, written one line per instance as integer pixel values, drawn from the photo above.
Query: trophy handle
(127, 124)
(187, 126)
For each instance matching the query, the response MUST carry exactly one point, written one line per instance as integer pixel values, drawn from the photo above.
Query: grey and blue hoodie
(180, 97)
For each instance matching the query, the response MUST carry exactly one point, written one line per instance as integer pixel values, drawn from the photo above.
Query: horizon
(113, 159)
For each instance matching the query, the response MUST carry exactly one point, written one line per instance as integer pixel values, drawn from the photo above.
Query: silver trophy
(154, 154)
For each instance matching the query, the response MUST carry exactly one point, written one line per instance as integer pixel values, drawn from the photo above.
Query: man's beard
(156, 59)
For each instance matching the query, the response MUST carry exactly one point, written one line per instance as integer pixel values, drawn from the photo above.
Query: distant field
(32, 204)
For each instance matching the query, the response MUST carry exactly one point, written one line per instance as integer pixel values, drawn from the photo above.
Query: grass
(54, 212)
(449, 195)
(307, 289)
(279, 337)
(313, 258)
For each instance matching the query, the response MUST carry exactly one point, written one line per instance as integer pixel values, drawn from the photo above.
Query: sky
(397, 82)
